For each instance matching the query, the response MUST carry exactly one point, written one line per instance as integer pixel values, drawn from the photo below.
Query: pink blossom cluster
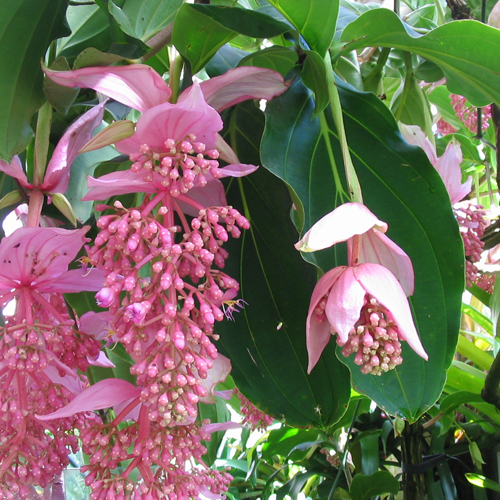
(364, 303)
(472, 226)
(42, 351)
(252, 416)
(468, 114)
(164, 283)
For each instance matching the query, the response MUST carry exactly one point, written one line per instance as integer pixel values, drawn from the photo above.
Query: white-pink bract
(354, 219)
(447, 165)
(365, 303)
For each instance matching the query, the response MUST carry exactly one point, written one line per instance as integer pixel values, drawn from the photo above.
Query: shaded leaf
(200, 30)
(27, 27)
(363, 487)
(314, 77)
(452, 46)
(400, 187)
(314, 19)
(277, 58)
(143, 20)
(266, 343)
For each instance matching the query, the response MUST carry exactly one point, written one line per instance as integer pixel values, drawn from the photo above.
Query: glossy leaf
(26, 30)
(400, 187)
(453, 46)
(143, 20)
(314, 19)
(364, 487)
(216, 413)
(200, 30)
(277, 58)
(266, 343)
(89, 28)
(314, 77)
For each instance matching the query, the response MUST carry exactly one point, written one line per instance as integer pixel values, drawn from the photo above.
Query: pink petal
(227, 395)
(96, 324)
(237, 170)
(211, 195)
(121, 182)
(219, 372)
(318, 334)
(343, 307)
(381, 284)
(415, 136)
(192, 115)
(448, 167)
(240, 84)
(73, 281)
(15, 169)
(138, 86)
(34, 255)
(104, 394)
(343, 223)
(78, 134)
(102, 361)
(377, 248)
(71, 381)
(224, 426)
(226, 152)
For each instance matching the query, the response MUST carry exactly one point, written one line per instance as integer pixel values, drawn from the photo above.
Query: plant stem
(413, 483)
(353, 185)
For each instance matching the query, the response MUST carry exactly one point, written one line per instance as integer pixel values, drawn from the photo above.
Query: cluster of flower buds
(472, 223)
(469, 114)
(252, 416)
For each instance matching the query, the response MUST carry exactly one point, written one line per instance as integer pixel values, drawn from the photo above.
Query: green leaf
(314, 19)
(200, 30)
(83, 166)
(364, 487)
(278, 58)
(282, 441)
(89, 28)
(453, 46)
(479, 317)
(216, 413)
(143, 20)
(314, 77)
(453, 401)
(266, 343)
(61, 98)
(482, 482)
(243, 21)
(400, 187)
(27, 27)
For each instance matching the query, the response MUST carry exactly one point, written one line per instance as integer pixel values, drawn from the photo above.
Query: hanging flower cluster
(164, 283)
(364, 303)
(469, 114)
(470, 216)
(252, 416)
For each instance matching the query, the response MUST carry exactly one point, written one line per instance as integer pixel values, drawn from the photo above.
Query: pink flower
(368, 310)
(167, 130)
(58, 169)
(351, 219)
(364, 304)
(448, 165)
(37, 258)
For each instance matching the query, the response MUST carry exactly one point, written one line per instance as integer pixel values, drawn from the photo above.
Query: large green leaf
(26, 29)
(315, 19)
(89, 28)
(266, 343)
(400, 187)
(200, 30)
(469, 71)
(143, 20)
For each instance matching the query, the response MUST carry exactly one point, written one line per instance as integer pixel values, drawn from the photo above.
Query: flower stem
(35, 208)
(353, 185)
(42, 143)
